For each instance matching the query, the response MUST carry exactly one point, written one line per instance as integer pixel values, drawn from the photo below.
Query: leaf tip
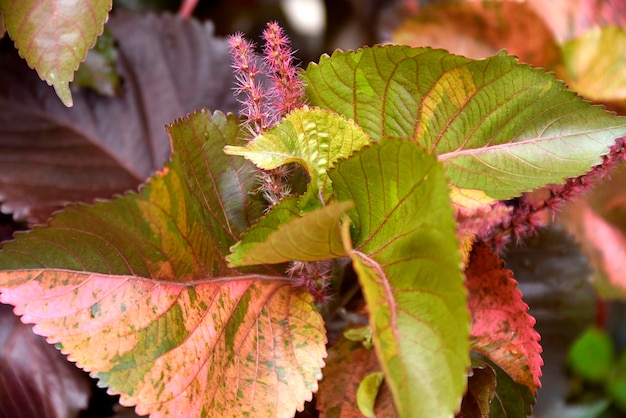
(62, 89)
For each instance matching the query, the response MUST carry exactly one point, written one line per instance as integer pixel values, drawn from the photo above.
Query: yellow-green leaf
(313, 138)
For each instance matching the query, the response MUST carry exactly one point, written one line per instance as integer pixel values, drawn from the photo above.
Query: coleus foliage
(178, 297)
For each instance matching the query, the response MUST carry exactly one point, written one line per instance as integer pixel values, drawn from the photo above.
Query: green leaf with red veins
(502, 329)
(137, 290)
(54, 36)
(496, 125)
(407, 260)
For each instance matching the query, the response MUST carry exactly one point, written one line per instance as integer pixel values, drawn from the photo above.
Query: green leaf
(498, 126)
(313, 138)
(407, 259)
(137, 290)
(616, 385)
(362, 334)
(511, 400)
(367, 392)
(54, 36)
(592, 355)
(286, 235)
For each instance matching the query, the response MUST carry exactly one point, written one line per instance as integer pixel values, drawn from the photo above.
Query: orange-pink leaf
(137, 291)
(228, 348)
(502, 329)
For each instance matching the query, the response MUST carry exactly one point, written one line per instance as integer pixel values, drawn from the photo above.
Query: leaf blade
(68, 155)
(502, 329)
(147, 366)
(311, 236)
(137, 290)
(403, 223)
(498, 126)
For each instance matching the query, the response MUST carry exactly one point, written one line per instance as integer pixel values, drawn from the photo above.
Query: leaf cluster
(194, 296)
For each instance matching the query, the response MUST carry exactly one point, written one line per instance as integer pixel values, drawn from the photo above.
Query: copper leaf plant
(384, 172)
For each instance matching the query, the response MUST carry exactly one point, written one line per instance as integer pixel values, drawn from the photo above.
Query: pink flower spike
(245, 64)
(287, 91)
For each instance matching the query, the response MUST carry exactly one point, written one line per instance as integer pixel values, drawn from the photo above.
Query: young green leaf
(55, 36)
(313, 138)
(616, 384)
(501, 327)
(137, 290)
(592, 355)
(407, 259)
(367, 392)
(285, 235)
(498, 126)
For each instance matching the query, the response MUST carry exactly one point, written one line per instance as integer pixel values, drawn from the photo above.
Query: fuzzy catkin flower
(287, 91)
(246, 66)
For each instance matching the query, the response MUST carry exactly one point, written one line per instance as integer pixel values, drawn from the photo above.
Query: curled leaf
(367, 392)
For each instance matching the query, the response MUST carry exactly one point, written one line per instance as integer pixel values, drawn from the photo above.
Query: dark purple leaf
(36, 380)
(50, 154)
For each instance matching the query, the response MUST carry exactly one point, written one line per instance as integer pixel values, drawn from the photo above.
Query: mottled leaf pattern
(54, 36)
(498, 126)
(50, 155)
(406, 256)
(137, 291)
(502, 329)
